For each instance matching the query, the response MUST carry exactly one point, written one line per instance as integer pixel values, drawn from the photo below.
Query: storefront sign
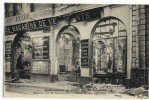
(42, 23)
(22, 17)
(7, 55)
(88, 15)
(41, 48)
(84, 53)
(46, 48)
(31, 25)
(82, 16)
(8, 50)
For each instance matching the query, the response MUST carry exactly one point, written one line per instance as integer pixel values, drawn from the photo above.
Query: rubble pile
(100, 88)
(110, 88)
(140, 92)
(24, 80)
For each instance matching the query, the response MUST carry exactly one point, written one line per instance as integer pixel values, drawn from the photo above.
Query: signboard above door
(47, 22)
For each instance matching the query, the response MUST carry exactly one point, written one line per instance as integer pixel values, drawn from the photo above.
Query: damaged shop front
(28, 48)
(88, 45)
(95, 41)
(71, 52)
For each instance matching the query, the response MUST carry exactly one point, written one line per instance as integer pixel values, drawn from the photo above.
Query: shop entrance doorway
(68, 52)
(21, 56)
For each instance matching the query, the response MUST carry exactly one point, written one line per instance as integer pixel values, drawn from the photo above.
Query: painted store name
(31, 25)
(38, 24)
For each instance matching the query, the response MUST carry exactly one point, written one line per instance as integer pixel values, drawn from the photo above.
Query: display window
(109, 47)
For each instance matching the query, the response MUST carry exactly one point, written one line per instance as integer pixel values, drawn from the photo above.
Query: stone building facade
(140, 43)
(78, 42)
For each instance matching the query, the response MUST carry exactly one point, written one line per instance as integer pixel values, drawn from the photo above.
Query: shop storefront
(76, 46)
(72, 44)
(103, 43)
(29, 48)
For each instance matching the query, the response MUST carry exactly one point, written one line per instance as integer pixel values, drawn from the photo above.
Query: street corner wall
(135, 36)
(141, 29)
(147, 42)
(147, 35)
(139, 38)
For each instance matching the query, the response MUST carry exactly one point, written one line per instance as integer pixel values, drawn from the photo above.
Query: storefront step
(29, 89)
(38, 88)
(66, 77)
(23, 89)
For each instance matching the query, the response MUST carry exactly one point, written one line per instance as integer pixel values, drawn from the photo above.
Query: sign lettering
(8, 50)
(42, 23)
(31, 25)
(22, 18)
(88, 15)
(84, 53)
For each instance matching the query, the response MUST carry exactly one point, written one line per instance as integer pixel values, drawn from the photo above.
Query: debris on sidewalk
(24, 80)
(67, 87)
(110, 87)
(137, 91)
(140, 92)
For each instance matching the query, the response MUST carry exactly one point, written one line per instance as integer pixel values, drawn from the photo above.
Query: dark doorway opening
(21, 56)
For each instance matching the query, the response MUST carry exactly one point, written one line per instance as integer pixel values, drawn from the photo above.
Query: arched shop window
(109, 47)
(68, 49)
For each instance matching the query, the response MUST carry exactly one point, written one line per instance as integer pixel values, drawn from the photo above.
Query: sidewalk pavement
(66, 87)
(34, 87)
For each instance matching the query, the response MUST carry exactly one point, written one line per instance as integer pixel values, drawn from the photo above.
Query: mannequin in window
(102, 62)
(120, 59)
(110, 57)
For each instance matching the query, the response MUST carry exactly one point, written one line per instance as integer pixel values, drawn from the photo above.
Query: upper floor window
(38, 6)
(64, 6)
(13, 9)
(18, 9)
(8, 10)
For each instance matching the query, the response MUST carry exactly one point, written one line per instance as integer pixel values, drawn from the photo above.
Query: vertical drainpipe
(129, 53)
(52, 62)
